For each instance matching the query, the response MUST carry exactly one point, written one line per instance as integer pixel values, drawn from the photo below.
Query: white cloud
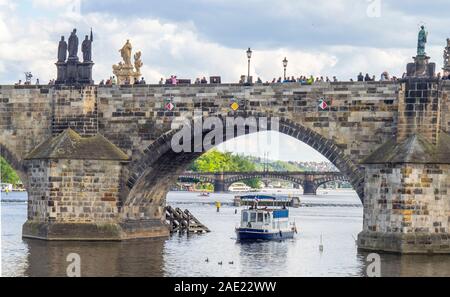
(180, 48)
(7, 4)
(279, 146)
(168, 48)
(56, 4)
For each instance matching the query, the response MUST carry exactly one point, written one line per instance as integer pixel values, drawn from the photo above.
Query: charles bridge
(309, 181)
(97, 161)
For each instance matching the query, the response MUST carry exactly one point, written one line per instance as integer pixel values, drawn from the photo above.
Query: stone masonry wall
(445, 105)
(29, 115)
(25, 120)
(74, 191)
(407, 208)
(361, 116)
(75, 108)
(39, 206)
(419, 109)
(407, 198)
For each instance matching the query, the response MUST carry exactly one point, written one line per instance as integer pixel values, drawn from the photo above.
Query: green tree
(215, 161)
(7, 174)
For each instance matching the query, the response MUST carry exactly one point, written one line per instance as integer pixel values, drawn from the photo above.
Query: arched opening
(151, 175)
(265, 184)
(194, 183)
(335, 184)
(13, 178)
(15, 168)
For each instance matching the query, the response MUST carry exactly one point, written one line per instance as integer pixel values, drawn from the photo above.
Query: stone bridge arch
(325, 180)
(314, 185)
(151, 174)
(200, 178)
(271, 175)
(267, 175)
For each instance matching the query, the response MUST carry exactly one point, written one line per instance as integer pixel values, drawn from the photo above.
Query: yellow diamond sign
(235, 106)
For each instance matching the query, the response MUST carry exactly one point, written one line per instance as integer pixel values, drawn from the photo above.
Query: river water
(337, 216)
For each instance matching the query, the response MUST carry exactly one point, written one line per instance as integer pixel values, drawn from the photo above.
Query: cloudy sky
(192, 38)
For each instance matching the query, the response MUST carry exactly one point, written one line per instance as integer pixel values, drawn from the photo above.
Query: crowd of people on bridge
(27, 83)
(112, 81)
(304, 80)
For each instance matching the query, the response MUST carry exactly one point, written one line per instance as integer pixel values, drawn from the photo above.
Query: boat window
(260, 217)
(266, 217)
(253, 217)
(245, 217)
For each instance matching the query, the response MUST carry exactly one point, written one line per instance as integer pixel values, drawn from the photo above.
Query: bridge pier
(406, 209)
(74, 192)
(309, 188)
(407, 180)
(219, 183)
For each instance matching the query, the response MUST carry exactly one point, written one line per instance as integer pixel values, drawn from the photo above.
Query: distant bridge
(310, 181)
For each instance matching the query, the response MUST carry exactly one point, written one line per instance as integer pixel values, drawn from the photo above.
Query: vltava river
(336, 216)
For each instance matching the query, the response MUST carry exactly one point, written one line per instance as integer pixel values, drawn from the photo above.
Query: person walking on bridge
(360, 77)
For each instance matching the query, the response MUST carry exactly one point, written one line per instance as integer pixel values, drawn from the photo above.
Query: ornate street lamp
(249, 56)
(285, 62)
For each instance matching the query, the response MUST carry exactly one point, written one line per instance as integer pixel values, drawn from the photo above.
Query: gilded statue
(125, 71)
(125, 52)
(138, 62)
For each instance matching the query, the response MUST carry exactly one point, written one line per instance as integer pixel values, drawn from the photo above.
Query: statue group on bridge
(73, 72)
(70, 70)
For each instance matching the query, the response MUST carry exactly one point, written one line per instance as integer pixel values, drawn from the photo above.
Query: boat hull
(253, 234)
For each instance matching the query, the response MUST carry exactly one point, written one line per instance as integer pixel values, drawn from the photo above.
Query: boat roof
(265, 197)
(266, 209)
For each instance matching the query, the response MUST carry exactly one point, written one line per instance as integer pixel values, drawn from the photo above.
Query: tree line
(7, 174)
(215, 161)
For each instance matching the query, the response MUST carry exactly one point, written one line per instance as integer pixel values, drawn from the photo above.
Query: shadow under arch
(158, 167)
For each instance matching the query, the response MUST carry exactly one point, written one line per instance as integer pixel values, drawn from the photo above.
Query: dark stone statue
(73, 45)
(72, 71)
(86, 48)
(62, 50)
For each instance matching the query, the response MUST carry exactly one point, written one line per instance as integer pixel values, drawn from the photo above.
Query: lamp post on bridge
(285, 62)
(249, 56)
